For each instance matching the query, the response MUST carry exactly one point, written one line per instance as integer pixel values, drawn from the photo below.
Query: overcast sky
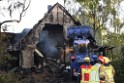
(35, 12)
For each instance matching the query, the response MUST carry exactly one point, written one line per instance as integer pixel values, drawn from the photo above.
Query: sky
(35, 13)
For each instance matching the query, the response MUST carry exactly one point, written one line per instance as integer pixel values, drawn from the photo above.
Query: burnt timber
(57, 15)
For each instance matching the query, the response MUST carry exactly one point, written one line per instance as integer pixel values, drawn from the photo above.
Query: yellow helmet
(107, 60)
(86, 59)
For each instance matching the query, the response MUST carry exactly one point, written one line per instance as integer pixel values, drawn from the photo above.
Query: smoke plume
(51, 40)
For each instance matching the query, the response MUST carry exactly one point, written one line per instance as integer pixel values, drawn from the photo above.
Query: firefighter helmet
(86, 59)
(101, 58)
(107, 60)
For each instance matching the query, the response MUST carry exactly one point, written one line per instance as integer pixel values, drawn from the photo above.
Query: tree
(97, 13)
(103, 15)
(12, 11)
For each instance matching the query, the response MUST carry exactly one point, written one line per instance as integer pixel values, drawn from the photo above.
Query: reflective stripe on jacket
(95, 73)
(85, 73)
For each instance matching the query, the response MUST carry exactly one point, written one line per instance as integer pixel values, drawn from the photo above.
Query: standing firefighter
(95, 70)
(85, 70)
(108, 71)
(102, 76)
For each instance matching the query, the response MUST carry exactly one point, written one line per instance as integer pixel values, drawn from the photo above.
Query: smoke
(50, 41)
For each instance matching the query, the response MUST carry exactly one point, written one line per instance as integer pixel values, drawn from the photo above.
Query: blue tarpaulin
(78, 31)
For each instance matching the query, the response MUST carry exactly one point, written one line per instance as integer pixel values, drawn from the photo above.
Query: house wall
(28, 44)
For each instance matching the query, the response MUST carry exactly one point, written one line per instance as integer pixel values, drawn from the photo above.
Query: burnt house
(47, 36)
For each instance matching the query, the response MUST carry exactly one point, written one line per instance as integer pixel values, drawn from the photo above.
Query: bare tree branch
(7, 21)
(101, 24)
(2, 14)
(24, 9)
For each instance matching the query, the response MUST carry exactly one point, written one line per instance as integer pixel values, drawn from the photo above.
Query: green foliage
(97, 14)
(119, 65)
(114, 39)
(102, 15)
(9, 77)
(5, 77)
(5, 57)
(117, 56)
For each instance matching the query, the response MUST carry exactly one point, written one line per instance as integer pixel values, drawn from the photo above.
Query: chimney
(49, 7)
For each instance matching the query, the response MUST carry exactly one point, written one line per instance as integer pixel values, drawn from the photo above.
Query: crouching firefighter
(85, 70)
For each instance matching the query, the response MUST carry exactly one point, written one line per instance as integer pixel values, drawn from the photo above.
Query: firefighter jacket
(95, 73)
(85, 73)
(108, 72)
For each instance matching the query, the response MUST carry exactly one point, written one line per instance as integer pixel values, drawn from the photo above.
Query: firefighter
(101, 59)
(101, 74)
(107, 71)
(85, 70)
(95, 74)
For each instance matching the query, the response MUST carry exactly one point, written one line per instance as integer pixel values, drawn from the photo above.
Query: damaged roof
(49, 11)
